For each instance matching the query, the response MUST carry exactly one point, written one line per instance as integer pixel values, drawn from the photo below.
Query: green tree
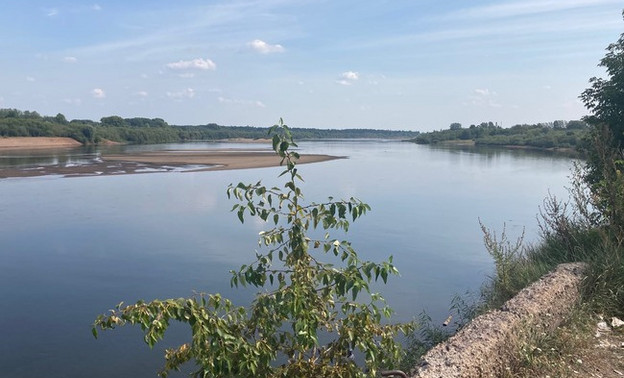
(605, 163)
(559, 124)
(576, 125)
(605, 97)
(115, 121)
(60, 118)
(307, 320)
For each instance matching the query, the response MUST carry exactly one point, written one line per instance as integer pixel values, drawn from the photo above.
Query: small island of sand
(145, 162)
(213, 159)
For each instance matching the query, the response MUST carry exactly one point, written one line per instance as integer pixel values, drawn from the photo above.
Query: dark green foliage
(15, 123)
(605, 99)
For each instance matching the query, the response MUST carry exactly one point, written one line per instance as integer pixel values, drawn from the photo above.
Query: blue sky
(417, 65)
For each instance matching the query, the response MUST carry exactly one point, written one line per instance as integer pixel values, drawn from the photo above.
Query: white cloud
(232, 101)
(265, 48)
(51, 12)
(186, 93)
(484, 97)
(96, 7)
(98, 93)
(199, 63)
(30, 78)
(350, 75)
(348, 78)
(70, 59)
(343, 82)
(547, 87)
(141, 93)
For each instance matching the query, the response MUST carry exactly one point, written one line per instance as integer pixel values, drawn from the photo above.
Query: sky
(388, 64)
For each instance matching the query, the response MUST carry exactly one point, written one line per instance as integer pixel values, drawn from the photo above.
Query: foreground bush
(307, 321)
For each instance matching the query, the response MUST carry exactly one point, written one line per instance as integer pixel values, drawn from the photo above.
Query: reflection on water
(493, 151)
(48, 157)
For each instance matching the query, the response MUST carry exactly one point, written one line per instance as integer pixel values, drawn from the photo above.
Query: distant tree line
(557, 134)
(140, 130)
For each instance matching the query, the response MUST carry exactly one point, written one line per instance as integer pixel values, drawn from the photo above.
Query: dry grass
(576, 349)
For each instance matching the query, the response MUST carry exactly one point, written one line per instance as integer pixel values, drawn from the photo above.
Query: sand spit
(163, 161)
(214, 160)
(37, 142)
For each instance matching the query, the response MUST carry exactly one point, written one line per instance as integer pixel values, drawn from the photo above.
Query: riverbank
(37, 142)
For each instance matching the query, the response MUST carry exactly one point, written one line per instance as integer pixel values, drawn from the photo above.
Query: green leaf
(384, 275)
(354, 292)
(276, 141)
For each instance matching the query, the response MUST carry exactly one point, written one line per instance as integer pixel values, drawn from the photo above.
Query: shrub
(307, 322)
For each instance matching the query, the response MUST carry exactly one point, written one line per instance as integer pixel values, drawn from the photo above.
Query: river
(72, 248)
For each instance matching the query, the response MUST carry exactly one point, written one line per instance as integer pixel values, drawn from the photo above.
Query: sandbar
(214, 160)
(164, 161)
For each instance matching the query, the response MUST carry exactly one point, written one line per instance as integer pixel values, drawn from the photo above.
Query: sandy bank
(37, 142)
(162, 161)
(216, 160)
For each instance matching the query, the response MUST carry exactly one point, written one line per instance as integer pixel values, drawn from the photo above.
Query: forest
(557, 134)
(17, 123)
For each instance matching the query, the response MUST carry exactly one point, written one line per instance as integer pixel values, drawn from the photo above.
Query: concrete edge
(481, 348)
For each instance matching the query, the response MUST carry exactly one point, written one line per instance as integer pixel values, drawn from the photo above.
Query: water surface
(72, 248)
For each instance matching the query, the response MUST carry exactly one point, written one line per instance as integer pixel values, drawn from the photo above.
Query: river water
(72, 248)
